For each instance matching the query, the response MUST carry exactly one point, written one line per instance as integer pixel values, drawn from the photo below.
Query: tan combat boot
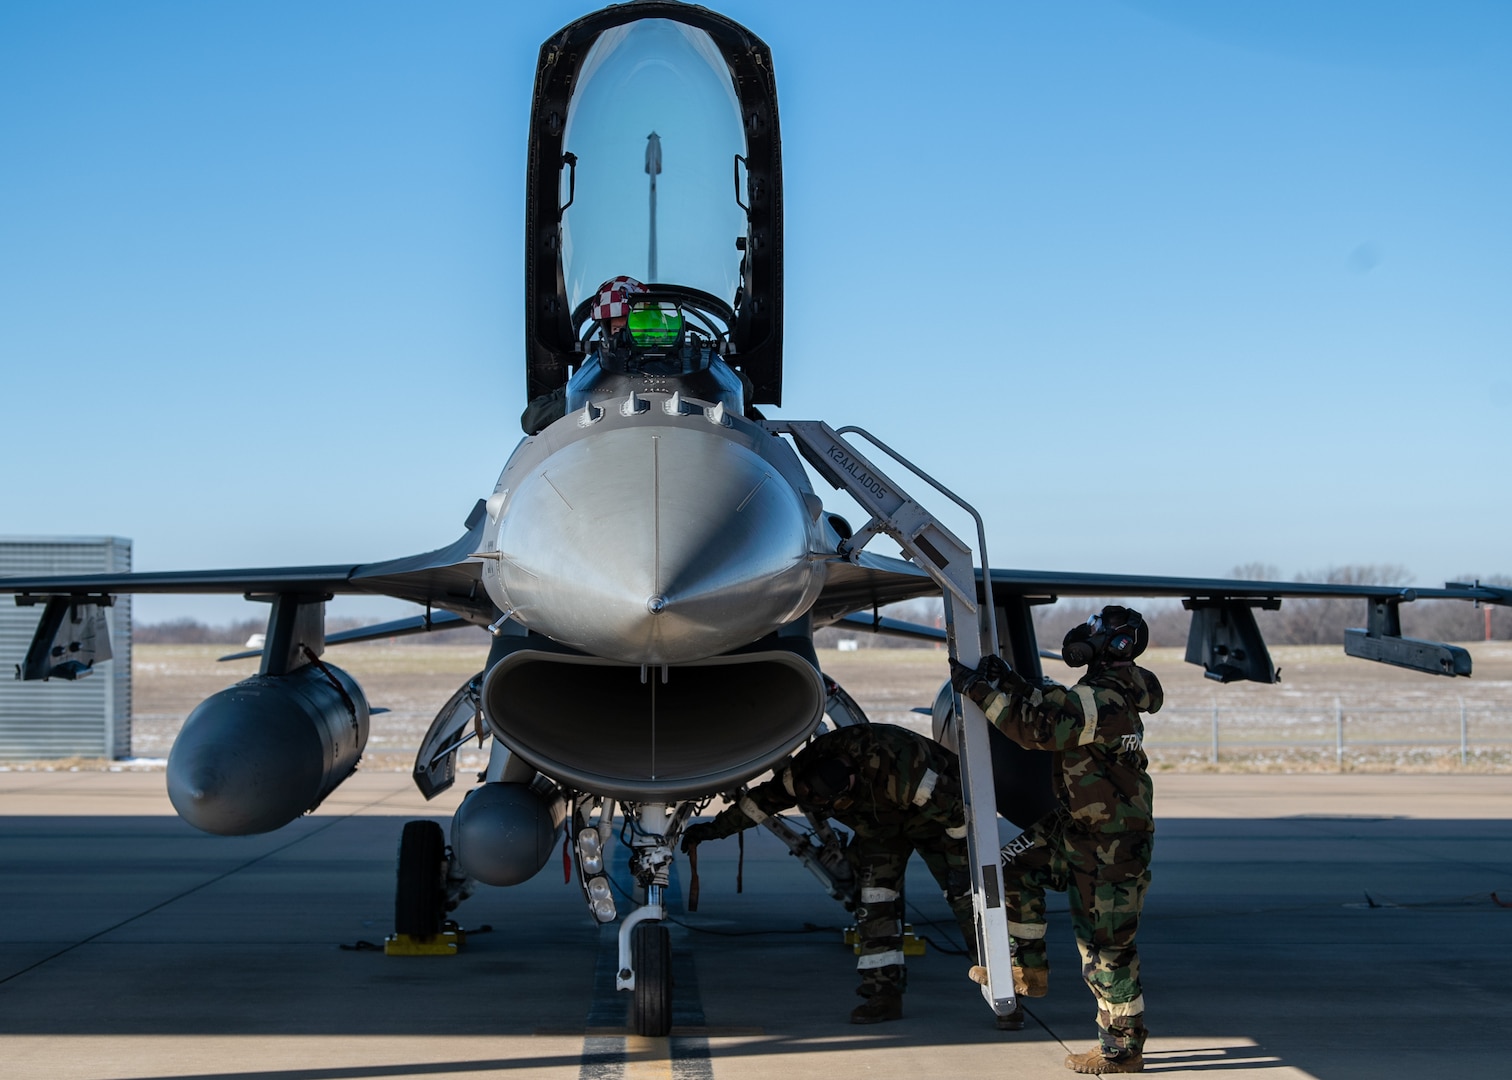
(1094, 1061)
(886, 1004)
(1031, 982)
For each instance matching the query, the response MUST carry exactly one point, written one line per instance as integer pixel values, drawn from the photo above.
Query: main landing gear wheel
(420, 899)
(651, 954)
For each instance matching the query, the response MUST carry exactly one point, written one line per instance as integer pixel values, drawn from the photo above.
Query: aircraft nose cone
(656, 545)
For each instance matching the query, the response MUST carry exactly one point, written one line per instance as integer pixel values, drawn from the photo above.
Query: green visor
(654, 323)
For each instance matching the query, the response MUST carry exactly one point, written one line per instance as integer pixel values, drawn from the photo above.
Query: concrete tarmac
(1298, 926)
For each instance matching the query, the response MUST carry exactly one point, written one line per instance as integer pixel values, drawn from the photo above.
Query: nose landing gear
(645, 946)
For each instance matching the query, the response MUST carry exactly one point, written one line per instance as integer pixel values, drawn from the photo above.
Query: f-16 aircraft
(654, 559)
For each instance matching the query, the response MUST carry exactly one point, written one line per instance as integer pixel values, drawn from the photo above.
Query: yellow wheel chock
(445, 943)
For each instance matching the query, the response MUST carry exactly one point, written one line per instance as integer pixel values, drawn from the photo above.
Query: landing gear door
(459, 720)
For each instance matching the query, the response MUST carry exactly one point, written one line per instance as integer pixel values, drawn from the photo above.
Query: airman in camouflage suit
(899, 792)
(1096, 846)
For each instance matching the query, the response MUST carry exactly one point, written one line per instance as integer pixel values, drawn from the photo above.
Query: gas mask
(825, 782)
(1112, 635)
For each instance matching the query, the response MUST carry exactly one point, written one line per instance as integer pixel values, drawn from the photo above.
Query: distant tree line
(194, 632)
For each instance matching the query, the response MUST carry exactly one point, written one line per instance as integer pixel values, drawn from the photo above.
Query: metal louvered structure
(90, 717)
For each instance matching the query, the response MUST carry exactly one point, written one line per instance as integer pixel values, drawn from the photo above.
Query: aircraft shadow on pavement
(1276, 942)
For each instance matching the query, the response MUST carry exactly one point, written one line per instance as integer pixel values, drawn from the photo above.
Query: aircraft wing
(877, 580)
(445, 578)
(868, 583)
(1224, 637)
(280, 579)
(1050, 583)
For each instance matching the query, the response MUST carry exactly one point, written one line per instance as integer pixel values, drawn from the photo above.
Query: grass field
(1392, 720)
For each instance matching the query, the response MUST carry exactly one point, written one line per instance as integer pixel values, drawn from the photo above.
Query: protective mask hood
(1114, 634)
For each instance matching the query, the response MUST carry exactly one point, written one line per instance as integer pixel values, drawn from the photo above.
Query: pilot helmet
(1115, 634)
(614, 298)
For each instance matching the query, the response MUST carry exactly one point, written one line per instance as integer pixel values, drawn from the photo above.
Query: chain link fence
(1332, 735)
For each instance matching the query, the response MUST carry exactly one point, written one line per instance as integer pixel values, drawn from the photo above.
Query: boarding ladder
(940, 554)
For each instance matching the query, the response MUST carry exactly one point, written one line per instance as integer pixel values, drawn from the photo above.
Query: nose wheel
(651, 1005)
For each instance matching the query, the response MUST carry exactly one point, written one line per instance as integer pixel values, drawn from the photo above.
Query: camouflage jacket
(1100, 764)
(902, 778)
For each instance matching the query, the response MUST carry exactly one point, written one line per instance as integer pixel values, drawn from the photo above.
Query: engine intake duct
(596, 726)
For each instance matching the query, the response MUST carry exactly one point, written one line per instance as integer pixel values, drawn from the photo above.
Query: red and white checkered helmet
(614, 297)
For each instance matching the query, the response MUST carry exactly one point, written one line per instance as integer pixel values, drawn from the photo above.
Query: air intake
(599, 726)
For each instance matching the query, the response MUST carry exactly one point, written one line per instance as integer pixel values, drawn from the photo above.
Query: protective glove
(969, 681)
(694, 835)
(961, 675)
(994, 669)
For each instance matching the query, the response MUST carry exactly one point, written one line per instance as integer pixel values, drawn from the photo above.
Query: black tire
(651, 954)
(420, 899)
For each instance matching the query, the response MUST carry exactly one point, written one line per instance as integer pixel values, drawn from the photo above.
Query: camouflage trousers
(1105, 876)
(880, 859)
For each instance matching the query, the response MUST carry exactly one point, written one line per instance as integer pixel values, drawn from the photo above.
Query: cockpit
(667, 338)
(654, 159)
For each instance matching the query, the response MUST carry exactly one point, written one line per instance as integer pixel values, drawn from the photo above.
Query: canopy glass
(654, 126)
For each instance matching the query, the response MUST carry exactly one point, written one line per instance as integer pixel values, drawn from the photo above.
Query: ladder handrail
(950, 563)
(990, 615)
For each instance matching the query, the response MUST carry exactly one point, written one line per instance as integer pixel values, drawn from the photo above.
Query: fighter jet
(654, 559)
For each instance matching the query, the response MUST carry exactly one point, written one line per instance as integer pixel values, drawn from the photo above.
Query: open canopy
(654, 152)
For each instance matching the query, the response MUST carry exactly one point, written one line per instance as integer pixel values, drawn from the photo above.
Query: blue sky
(1162, 287)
